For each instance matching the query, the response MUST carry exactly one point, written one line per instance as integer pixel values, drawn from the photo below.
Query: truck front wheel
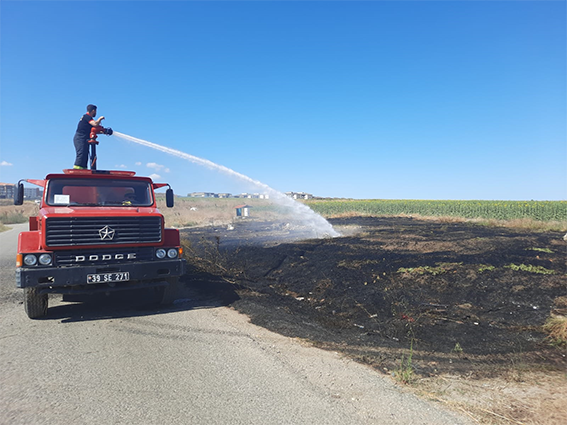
(35, 303)
(170, 292)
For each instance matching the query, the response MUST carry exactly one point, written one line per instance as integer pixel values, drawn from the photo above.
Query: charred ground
(465, 298)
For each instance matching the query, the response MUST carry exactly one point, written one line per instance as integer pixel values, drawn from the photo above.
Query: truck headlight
(45, 259)
(172, 253)
(30, 260)
(160, 253)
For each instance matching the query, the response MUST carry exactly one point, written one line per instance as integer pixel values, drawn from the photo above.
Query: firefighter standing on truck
(81, 139)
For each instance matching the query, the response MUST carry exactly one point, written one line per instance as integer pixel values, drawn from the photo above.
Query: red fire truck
(96, 231)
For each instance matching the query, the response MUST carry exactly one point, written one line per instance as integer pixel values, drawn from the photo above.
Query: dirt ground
(452, 310)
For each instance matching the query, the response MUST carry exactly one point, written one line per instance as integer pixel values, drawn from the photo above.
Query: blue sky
(389, 100)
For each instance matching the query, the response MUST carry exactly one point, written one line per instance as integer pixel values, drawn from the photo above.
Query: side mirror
(19, 194)
(169, 198)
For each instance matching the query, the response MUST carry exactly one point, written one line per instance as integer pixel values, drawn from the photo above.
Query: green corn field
(498, 210)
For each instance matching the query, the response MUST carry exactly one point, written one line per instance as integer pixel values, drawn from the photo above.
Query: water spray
(320, 226)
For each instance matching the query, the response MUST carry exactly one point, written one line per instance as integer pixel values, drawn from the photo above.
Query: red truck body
(96, 231)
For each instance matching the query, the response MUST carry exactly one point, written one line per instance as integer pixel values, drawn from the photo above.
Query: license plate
(108, 277)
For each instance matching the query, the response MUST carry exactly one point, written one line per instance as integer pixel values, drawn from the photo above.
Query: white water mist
(303, 213)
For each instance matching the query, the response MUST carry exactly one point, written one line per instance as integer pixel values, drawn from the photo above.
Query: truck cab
(96, 231)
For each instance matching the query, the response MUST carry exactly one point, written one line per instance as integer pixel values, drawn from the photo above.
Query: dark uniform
(81, 141)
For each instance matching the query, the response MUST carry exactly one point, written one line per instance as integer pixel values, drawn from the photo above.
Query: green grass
(530, 268)
(549, 251)
(421, 270)
(445, 267)
(485, 268)
(497, 210)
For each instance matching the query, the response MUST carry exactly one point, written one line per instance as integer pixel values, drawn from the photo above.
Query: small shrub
(485, 268)
(556, 328)
(458, 349)
(405, 373)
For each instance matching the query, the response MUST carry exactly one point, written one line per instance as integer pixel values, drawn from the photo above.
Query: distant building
(253, 196)
(32, 193)
(7, 190)
(299, 195)
(228, 195)
(202, 195)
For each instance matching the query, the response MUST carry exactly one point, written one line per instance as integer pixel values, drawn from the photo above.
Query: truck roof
(105, 174)
(91, 172)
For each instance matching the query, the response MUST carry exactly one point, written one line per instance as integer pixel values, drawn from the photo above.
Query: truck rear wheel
(35, 304)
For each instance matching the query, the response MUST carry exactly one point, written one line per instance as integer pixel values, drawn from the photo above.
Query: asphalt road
(116, 360)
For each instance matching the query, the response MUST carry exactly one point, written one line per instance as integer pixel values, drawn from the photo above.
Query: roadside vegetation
(13, 217)
(190, 212)
(13, 214)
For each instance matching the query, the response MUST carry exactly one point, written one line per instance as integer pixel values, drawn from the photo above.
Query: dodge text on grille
(105, 257)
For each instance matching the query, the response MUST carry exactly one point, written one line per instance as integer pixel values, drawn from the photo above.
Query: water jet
(316, 223)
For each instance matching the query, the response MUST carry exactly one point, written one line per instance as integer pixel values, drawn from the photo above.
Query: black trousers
(82, 149)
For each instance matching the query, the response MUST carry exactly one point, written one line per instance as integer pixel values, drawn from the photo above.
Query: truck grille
(102, 230)
(104, 256)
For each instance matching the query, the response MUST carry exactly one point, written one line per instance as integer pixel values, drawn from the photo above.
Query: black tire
(35, 304)
(170, 292)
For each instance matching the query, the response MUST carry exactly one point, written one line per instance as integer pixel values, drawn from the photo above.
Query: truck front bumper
(63, 279)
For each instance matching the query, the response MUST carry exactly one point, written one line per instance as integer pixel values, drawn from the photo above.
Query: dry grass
(190, 212)
(524, 223)
(10, 213)
(208, 258)
(536, 400)
(349, 214)
(527, 224)
(198, 212)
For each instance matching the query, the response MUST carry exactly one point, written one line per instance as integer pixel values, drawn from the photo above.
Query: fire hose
(95, 131)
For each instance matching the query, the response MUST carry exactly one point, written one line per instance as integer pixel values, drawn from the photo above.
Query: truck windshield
(99, 192)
